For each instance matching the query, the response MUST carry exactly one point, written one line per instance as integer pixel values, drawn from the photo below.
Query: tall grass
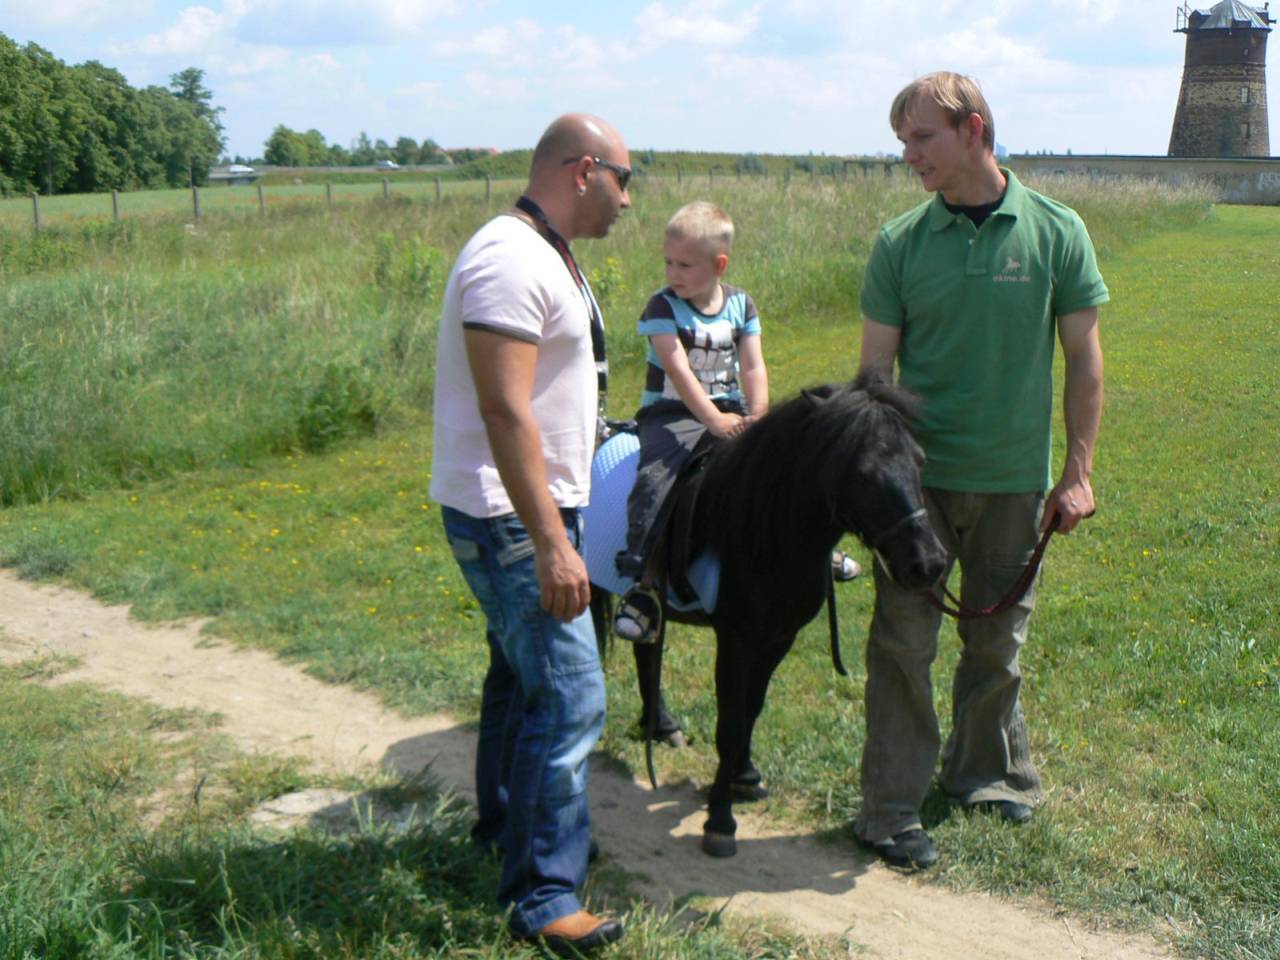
(131, 351)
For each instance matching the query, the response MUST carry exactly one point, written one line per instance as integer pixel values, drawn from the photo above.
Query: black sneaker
(908, 850)
(1010, 811)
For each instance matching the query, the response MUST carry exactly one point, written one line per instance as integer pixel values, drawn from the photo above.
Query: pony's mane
(770, 477)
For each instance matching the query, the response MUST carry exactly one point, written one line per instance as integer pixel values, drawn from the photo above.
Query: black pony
(770, 505)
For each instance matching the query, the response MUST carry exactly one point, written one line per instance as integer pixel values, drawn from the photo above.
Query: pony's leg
(747, 782)
(733, 667)
(653, 712)
(601, 616)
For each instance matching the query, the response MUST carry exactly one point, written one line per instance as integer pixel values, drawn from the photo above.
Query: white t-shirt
(508, 279)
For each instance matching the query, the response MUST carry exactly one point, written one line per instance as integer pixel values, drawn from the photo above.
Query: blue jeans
(541, 713)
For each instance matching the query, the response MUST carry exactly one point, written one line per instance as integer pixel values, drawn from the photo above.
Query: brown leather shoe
(577, 934)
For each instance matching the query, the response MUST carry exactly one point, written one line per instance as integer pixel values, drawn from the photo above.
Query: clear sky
(777, 76)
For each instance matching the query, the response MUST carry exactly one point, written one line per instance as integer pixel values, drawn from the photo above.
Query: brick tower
(1222, 109)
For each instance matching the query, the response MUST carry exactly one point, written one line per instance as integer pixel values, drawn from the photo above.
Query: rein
(962, 611)
(833, 621)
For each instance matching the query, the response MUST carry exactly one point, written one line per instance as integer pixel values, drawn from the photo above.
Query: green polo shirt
(978, 309)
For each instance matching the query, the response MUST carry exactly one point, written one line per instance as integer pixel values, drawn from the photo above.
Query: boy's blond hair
(703, 222)
(956, 94)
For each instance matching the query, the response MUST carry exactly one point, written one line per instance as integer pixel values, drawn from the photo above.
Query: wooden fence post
(262, 201)
(328, 194)
(115, 205)
(386, 189)
(437, 189)
(195, 202)
(678, 177)
(711, 176)
(35, 206)
(488, 187)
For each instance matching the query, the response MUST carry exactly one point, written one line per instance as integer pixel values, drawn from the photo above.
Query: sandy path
(269, 706)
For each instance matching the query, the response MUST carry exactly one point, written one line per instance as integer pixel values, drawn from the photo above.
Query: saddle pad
(613, 472)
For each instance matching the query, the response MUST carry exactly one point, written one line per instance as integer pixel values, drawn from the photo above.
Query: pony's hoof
(748, 792)
(719, 844)
(674, 739)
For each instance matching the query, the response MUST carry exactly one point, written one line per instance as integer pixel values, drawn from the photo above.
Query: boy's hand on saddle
(727, 425)
(562, 580)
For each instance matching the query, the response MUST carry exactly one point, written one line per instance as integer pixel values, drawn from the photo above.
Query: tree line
(83, 128)
(290, 148)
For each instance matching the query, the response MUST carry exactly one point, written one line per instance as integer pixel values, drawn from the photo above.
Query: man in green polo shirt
(966, 293)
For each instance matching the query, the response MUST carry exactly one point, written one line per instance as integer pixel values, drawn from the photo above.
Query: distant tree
(362, 151)
(381, 150)
(751, 163)
(84, 128)
(285, 148)
(430, 152)
(315, 149)
(405, 152)
(337, 156)
(188, 86)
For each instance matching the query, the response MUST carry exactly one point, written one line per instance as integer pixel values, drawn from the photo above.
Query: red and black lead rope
(962, 611)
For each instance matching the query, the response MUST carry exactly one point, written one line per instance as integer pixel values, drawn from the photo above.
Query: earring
(582, 191)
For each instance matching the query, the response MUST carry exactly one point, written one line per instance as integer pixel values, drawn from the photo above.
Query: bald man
(519, 364)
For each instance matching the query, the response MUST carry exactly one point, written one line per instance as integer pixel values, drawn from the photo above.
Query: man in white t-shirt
(519, 356)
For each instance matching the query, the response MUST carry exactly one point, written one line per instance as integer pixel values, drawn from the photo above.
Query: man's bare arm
(503, 370)
(879, 346)
(1072, 497)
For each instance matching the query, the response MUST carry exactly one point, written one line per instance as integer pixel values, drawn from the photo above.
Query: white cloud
(69, 13)
(301, 23)
(193, 32)
(248, 62)
(695, 25)
(514, 44)
(499, 89)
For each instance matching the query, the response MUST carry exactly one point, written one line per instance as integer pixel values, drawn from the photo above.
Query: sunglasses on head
(622, 173)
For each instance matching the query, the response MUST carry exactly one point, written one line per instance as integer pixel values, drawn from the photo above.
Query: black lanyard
(561, 246)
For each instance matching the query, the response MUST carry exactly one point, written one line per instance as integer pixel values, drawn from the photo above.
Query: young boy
(706, 375)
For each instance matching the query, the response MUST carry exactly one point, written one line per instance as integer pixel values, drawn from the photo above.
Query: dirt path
(269, 706)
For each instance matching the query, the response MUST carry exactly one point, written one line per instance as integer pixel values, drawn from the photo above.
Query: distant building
(1222, 107)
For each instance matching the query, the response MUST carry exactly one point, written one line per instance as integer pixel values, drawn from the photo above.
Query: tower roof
(1229, 15)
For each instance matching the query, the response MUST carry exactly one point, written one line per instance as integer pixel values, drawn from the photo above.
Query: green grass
(107, 851)
(1153, 671)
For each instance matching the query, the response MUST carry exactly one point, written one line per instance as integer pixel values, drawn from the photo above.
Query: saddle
(693, 581)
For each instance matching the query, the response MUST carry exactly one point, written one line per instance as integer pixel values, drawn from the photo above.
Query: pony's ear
(818, 395)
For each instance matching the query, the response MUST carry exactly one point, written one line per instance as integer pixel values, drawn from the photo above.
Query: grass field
(77, 209)
(234, 422)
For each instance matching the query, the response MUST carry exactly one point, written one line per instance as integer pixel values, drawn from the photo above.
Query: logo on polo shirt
(1015, 271)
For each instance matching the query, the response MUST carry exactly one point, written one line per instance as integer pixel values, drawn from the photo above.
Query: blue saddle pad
(613, 472)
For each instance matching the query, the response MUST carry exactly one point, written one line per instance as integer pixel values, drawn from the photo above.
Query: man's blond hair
(957, 95)
(703, 222)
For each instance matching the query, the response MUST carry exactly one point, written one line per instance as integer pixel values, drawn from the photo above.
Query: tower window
(1244, 130)
(1244, 94)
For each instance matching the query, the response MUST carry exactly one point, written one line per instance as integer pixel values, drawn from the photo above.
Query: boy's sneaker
(843, 567)
(638, 615)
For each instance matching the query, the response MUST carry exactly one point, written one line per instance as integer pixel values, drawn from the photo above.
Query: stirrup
(639, 616)
(843, 567)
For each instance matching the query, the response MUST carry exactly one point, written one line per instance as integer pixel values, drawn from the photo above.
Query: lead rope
(962, 611)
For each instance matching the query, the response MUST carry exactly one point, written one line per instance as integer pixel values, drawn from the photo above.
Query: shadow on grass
(653, 837)
(310, 894)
